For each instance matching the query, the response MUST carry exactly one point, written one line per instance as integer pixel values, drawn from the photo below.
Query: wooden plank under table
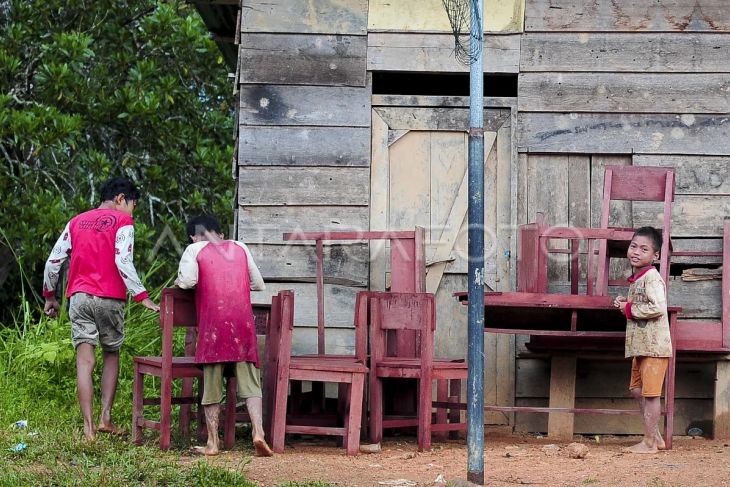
(576, 317)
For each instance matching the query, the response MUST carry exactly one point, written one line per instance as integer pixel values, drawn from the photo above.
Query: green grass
(37, 384)
(37, 380)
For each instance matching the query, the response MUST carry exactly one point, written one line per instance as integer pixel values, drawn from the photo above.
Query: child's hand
(51, 307)
(149, 304)
(620, 303)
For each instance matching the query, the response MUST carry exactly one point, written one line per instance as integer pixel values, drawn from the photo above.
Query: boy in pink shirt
(100, 244)
(223, 274)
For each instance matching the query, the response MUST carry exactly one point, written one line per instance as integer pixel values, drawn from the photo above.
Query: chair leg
(342, 398)
(376, 410)
(343, 406)
(669, 401)
(442, 395)
(137, 406)
(352, 440)
(165, 412)
(186, 409)
(364, 425)
(318, 397)
(454, 413)
(200, 414)
(296, 396)
(268, 398)
(229, 424)
(425, 399)
(278, 426)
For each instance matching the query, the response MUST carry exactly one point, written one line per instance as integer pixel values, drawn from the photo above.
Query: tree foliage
(93, 89)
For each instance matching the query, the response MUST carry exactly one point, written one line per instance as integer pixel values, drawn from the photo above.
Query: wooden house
(352, 115)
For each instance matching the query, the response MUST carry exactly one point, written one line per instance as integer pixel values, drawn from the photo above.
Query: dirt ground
(510, 459)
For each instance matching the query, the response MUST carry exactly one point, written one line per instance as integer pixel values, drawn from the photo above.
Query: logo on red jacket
(105, 223)
(101, 224)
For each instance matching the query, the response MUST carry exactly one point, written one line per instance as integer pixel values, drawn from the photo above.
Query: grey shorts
(96, 320)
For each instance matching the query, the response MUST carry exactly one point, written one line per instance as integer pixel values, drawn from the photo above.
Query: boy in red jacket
(99, 243)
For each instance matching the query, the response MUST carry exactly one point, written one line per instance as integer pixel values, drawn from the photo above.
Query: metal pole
(475, 380)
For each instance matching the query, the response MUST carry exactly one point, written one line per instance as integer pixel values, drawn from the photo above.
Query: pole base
(475, 477)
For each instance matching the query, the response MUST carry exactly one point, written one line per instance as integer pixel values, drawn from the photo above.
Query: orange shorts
(647, 374)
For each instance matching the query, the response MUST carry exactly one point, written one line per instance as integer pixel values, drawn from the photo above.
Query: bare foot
(207, 450)
(89, 434)
(641, 448)
(111, 429)
(660, 445)
(262, 448)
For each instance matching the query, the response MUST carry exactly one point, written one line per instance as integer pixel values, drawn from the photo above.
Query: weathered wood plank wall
(416, 52)
(305, 136)
(304, 150)
(429, 16)
(622, 15)
(626, 82)
(313, 16)
(415, 36)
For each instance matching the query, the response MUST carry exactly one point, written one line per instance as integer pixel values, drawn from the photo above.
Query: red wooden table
(576, 318)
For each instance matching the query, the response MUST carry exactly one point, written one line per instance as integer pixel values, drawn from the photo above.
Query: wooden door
(419, 177)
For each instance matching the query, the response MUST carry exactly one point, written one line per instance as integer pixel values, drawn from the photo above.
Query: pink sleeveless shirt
(226, 326)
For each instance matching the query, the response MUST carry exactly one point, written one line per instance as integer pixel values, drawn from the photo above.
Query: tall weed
(37, 359)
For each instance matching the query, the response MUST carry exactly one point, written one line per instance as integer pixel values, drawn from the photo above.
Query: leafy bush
(90, 90)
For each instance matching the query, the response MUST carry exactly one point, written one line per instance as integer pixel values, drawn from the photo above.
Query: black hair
(114, 186)
(652, 234)
(197, 225)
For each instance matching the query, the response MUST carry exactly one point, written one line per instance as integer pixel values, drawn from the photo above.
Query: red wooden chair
(413, 312)
(177, 309)
(621, 183)
(348, 371)
(633, 183)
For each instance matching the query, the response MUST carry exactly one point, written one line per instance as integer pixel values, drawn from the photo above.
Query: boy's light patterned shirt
(647, 324)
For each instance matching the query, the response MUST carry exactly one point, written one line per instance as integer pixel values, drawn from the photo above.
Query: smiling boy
(647, 333)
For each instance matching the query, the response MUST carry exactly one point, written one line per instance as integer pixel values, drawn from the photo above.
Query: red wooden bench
(575, 321)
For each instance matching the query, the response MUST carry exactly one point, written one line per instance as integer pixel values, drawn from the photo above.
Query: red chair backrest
(638, 183)
(177, 307)
(282, 325)
(528, 246)
(401, 311)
